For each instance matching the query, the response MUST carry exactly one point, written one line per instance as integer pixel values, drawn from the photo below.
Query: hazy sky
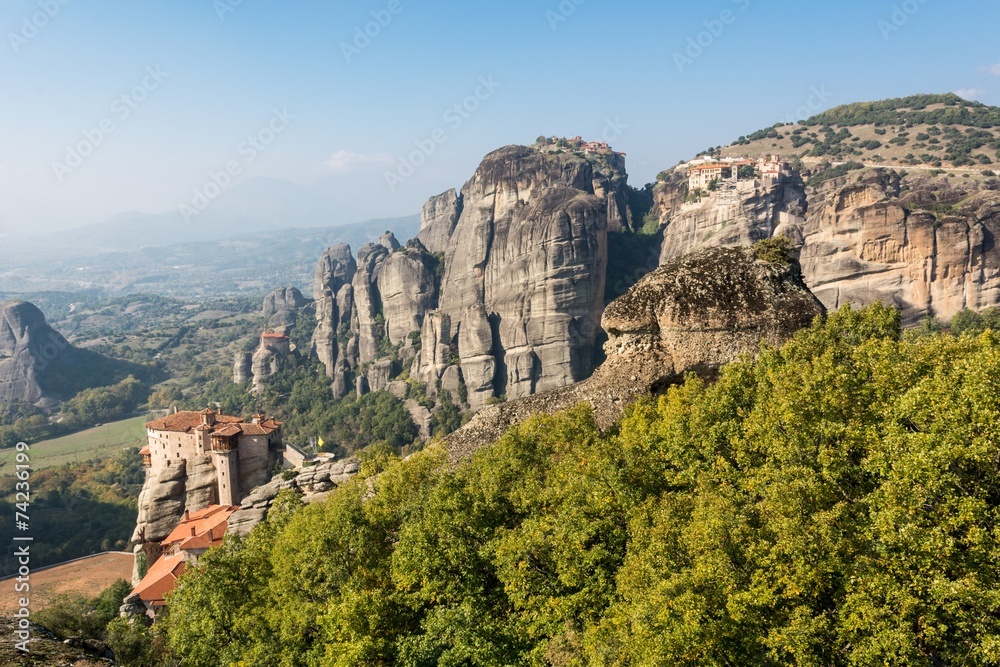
(183, 84)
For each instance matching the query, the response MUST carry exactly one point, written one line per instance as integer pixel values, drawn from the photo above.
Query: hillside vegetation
(76, 510)
(834, 502)
(936, 131)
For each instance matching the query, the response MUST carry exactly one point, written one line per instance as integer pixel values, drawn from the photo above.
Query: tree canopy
(831, 502)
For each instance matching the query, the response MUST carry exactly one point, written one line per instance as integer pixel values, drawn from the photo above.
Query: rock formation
(313, 484)
(515, 303)
(268, 359)
(438, 219)
(29, 349)
(921, 243)
(334, 339)
(407, 289)
(741, 216)
(693, 314)
(929, 250)
(286, 298)
(242, 367)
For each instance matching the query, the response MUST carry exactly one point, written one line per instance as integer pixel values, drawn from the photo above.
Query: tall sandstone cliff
(501, 292)
(922, 243)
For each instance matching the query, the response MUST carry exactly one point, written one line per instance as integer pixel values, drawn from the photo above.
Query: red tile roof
(185, 422)
(228, 431)
(160, 579)
(202, 529)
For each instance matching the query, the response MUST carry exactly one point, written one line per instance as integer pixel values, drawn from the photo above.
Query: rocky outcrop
(313, 484)
(693, 314)
(368, 302)
(407, 288)
(267, 361)
(162, 503)
(731, 216)
(922, 243)
(29, 349)
(525, 269)
(517, 298)
(201, 486)
(334, 339)
(926, 245)
(242, 367)
(438, 219)
(44, 647)
(284, 299)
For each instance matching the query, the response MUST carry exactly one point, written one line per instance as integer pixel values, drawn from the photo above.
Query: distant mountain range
(164, 255)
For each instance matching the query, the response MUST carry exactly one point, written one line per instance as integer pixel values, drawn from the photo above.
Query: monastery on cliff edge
(243, 453)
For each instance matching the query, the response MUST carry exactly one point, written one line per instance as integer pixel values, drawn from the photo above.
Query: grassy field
(93, 443)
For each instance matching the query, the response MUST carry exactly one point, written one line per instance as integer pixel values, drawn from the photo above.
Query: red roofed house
(195, 535)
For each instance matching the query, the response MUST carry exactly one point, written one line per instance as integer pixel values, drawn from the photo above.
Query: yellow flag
(321, 442)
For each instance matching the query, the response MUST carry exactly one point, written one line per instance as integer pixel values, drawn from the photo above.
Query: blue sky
(567, 68)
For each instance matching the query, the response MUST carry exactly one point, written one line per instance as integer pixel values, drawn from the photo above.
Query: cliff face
(505, 281)
(921, 243)
(281, 308)
(28, 348)
(524, 272)
(438, 219)
(741, 216)
(928, 249)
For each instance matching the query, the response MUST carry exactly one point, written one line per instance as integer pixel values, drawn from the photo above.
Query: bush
(74, 616)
